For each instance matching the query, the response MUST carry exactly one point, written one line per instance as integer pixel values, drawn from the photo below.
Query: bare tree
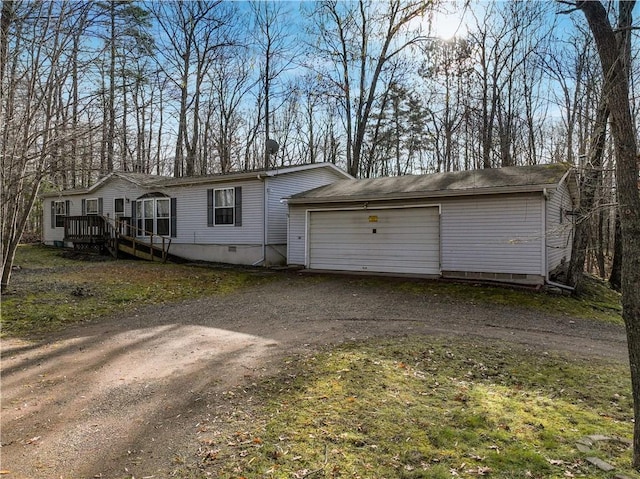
(34, 37)
(357, 62)
(446, 68)
(277, 48)
(231, 80)
(612, 48)
(193, 32)
(506, 37)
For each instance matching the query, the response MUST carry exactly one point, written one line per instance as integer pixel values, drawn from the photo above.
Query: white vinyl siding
(483, 234)
(396, 240)
(283, 186)
(496, 234)
(559, 226)
(115, 188)
(240, 243)
(192, 215)
(296, 236)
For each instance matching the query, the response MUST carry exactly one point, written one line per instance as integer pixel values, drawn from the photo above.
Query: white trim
(544, 260)
(233, 206)
(124, 206)
(63, 214)
(86, 203)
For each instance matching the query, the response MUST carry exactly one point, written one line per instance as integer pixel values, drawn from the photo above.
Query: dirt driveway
(124, 397)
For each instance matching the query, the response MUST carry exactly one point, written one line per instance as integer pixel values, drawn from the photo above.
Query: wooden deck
(115, 236)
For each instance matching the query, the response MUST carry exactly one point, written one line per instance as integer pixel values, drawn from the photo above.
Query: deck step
(139, 253)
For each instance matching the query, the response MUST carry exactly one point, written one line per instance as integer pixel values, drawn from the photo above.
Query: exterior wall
(280, 187)
(296, 237)
(114, 188)
(191, 215)
(221, 243)
(246, 254)
(559, 235)
(215, 253)
(193, 234)
(498, 237)
(493, 234)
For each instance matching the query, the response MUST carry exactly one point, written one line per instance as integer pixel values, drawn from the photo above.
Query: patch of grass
(424, 408)
(50, 291)
(598, 301)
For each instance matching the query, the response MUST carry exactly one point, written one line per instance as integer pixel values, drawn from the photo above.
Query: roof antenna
(272, 146)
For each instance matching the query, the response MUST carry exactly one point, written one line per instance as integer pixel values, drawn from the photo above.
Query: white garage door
(398, 240)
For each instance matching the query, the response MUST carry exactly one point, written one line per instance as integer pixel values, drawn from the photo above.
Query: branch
(571, 10)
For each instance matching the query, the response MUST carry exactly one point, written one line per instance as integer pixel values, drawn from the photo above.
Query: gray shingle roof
(473, 182)
(155, 181)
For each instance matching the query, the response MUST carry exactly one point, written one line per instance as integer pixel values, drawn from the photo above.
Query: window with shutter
(224, 206)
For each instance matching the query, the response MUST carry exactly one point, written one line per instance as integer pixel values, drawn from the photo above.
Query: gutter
(421, 194)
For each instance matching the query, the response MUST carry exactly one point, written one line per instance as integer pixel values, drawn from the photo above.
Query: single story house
(509, 224)
(236, 218)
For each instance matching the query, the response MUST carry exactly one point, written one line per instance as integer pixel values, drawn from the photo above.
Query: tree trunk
(589, 185)
(612, 57)
(615, 279)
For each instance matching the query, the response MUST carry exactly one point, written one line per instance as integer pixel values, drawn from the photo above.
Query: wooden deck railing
(119, 234)
(122, 230)
(84, 229)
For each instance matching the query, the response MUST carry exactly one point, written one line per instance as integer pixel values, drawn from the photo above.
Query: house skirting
(525, 279)
(244, 254)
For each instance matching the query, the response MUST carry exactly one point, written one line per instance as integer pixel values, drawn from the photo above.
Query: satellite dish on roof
(272, 146)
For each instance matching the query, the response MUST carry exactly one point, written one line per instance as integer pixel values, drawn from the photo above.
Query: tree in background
(357, 62)
(276, 49)
(34, 37)
(194, 32)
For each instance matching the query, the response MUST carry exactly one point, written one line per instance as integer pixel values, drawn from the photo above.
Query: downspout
(263, 260)
(545, 194)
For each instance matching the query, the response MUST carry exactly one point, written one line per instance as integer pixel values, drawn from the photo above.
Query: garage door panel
(396, 240)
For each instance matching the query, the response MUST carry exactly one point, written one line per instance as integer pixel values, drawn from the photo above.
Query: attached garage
(508, 224)
(383, 240)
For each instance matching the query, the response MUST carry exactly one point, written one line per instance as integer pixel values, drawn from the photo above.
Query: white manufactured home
(506, 224)
(236, 218)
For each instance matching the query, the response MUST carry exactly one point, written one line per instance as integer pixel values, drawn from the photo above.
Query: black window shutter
(174, 222)
(210, 221)
(238, 206)
(67, 208)
(100, 206)
(84, 207)
(53, 214)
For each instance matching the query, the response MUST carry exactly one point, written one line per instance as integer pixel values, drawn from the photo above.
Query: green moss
(598, 301)
(411, 408)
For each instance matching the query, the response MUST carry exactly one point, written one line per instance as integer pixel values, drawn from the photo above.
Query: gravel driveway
(123, 397)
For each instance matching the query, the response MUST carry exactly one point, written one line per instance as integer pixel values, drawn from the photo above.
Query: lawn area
(49, 290)
(411, 407)
(422, 407)
(598, 300)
